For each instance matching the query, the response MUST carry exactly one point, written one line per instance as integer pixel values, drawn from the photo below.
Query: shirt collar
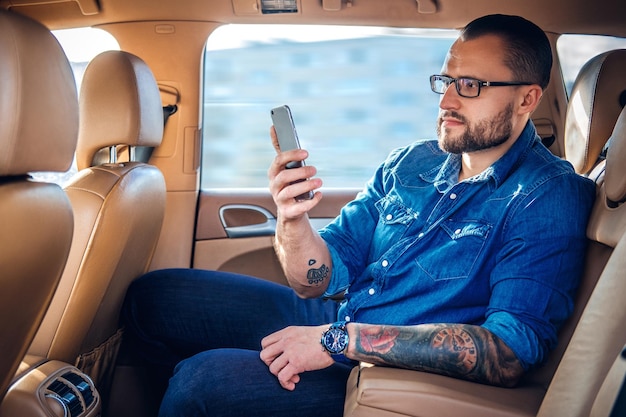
(447, 176)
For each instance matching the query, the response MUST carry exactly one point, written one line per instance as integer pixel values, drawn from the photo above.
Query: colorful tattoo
(459, 350)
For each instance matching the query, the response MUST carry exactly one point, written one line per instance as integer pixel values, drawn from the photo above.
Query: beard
(487, 133)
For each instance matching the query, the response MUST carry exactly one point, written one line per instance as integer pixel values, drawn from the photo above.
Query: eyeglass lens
(466, 87)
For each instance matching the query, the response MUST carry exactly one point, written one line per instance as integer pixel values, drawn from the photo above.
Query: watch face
(335, 340)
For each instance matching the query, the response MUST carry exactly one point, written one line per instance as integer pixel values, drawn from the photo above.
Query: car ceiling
(558, 16)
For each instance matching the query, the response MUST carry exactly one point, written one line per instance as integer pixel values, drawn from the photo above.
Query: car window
(80, 46)
(575, 50)
(356, 93)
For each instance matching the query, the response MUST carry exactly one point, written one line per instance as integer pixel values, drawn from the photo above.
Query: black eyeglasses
(466, 87)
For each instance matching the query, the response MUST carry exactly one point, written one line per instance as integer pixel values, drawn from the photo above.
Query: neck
(473, 163)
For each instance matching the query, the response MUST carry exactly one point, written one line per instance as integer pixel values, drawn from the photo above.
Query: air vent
(75, 391)
(84, 386)
(68, 396)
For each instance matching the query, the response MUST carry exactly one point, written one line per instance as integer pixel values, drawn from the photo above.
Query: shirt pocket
(391, 212)
(394, 220)
(454, 250)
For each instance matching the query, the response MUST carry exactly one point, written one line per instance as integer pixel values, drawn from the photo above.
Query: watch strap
(339, 325)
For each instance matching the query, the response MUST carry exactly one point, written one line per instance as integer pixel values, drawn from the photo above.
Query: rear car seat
(38, 130)
(118, 208)
(377, 391)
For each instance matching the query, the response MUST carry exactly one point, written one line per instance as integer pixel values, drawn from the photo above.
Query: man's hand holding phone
(297, 176)
(290, 186)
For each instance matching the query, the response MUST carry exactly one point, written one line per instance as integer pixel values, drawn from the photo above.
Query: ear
(530, 98)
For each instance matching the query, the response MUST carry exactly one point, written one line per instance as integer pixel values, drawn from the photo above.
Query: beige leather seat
(593, 108)
(600, 335)
(38, 128)
(119, 209)
(376, 391)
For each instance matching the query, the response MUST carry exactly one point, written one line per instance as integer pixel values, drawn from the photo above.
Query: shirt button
(457, 232)
(347, 318)
(452, 196)
(389, 217)
(372, 291)
(420, 235)
(385, 263)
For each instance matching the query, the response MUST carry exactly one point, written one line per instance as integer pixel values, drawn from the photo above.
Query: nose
(450, 99)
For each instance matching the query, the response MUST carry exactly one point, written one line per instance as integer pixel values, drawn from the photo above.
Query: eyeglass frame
(481, 83)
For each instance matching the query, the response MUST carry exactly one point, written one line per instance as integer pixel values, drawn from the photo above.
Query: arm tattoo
(458, 350)
(316, 276)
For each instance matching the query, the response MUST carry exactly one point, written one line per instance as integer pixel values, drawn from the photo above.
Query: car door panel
(235, 229)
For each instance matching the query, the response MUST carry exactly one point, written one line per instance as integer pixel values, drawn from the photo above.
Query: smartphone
(288, 139)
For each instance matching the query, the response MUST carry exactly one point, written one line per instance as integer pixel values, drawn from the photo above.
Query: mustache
(450, 114)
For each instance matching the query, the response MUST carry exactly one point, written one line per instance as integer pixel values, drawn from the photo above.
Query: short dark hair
(528, 54)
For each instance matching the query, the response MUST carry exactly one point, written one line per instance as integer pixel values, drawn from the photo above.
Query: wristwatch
(335, 339)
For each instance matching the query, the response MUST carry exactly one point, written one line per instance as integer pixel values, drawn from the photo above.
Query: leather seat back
(596, 101)
(38, 130)
(119, 209)
(599, 336)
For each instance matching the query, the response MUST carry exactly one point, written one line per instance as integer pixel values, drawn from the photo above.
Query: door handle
(266, 227)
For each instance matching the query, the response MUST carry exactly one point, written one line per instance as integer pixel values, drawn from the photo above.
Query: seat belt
(143, 153)
(168, 110)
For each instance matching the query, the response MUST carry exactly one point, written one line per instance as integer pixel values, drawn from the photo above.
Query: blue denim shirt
(503, 249)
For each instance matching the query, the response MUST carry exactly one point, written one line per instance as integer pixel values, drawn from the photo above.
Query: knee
(146, 294)
(140, 289)
(180, 397)
(145, 310)
(196, 388)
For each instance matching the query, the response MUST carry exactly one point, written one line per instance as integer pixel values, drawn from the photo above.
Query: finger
(291, 384)
(281, 160)
(267, 357)
(287, 185)
(271, 348)
(291, 208)
(271, 338)
(305, 172)
(301, 186)
(278, 365)
(288, 385)
(270, 353)
(274, 139)
(288, 377)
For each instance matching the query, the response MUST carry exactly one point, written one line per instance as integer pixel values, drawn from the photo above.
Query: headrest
(597, 98)
(38, 104)
(120, 104)
(615, 174)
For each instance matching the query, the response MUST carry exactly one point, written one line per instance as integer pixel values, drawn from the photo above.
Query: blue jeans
(208, 326)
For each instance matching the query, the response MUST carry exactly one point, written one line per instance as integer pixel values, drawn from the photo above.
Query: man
(454, 259)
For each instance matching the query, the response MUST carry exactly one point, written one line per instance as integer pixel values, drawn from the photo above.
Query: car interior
(138, 135)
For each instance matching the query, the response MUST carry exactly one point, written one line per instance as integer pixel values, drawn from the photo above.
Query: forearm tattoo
(315, 276)
(458, 350)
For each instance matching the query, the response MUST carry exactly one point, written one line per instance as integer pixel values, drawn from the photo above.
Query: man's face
(473, 124)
